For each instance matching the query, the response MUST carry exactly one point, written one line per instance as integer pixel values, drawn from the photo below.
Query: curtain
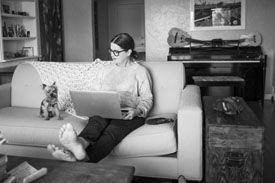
(50, 18)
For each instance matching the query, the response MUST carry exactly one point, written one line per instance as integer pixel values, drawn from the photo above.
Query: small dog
(49, 106)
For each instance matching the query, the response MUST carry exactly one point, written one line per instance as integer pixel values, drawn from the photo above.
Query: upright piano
(247, 62)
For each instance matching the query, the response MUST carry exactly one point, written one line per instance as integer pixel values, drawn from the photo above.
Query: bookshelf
(19, 30)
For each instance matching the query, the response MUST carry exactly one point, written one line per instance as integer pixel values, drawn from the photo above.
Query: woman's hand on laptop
(131, 113)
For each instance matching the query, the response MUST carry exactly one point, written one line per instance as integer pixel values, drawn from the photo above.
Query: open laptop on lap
(102, 103)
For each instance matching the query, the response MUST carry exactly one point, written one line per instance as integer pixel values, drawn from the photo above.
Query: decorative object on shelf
(19, 30)
(14, 30)
(24, 52)
(4, 30)
(27, 51)
(22, 13)
(8, 55)
(8, 9)
(5, 8)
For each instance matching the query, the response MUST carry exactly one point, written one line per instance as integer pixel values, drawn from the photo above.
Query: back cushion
(168, 82)
(26, 87)
(28, 78)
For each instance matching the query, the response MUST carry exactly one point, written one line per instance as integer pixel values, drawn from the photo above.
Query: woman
(133, 82)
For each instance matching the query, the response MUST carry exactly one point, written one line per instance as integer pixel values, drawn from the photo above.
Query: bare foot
(69, 139)
(61, 153)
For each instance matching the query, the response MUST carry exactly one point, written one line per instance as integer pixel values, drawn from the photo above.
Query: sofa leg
(181, 179)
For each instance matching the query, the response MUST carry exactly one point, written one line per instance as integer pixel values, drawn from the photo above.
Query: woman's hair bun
(134, 54)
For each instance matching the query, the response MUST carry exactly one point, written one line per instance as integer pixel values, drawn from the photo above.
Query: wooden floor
(265, 113)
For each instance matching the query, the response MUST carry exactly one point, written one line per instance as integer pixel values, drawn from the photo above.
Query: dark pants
(104, 134)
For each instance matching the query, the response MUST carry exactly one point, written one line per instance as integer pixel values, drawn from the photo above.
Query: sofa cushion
(149, 140)
(29, 76)
(168, 82)
(24, 126)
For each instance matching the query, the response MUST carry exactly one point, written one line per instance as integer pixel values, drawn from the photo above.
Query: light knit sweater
(133, 83)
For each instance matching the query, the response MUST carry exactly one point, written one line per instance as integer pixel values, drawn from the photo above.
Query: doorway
(115, 16)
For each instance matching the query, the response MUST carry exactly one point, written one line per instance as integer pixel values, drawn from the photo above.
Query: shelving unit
(19, 30)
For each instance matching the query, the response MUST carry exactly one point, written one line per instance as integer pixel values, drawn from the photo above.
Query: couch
(169, 150)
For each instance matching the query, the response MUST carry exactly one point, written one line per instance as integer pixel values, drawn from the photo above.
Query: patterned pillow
(70, 76)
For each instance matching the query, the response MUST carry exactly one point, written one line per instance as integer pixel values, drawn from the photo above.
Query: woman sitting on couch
(133, 82)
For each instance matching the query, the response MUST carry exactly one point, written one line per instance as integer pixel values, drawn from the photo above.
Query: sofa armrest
(189, 131)
(5, 95)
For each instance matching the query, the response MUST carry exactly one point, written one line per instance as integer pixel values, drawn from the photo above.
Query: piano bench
(232, 81)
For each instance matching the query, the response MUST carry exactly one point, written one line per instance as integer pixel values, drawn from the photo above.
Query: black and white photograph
(137, 91)
(218, 14)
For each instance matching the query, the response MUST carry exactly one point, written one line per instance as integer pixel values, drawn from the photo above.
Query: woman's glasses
(115, 52)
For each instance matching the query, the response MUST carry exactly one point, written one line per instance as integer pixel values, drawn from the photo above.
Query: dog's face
(50, 91)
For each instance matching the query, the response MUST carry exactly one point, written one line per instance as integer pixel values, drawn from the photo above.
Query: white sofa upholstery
(166, 151)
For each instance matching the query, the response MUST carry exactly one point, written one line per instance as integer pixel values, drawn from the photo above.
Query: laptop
(102, 103)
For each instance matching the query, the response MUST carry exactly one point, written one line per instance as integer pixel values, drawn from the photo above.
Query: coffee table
(76, 172)
(234, 145)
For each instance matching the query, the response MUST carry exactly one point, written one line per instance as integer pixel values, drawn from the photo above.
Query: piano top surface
(216, 54)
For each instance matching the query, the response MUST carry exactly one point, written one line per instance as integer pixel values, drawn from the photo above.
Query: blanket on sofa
(83, 77)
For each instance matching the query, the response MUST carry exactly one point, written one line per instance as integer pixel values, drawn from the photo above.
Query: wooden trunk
(234, 145)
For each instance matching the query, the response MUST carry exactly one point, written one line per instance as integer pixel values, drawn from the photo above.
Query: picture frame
(27, 52)
(6, 8)
(217, 14)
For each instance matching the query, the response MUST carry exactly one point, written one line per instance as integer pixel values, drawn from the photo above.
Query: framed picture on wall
(27, 52)
(217, 14)
(5, 8)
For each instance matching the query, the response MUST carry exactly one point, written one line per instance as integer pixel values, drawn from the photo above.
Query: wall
(78, 30)
(128, 16)
(103, 41)
(160, 17)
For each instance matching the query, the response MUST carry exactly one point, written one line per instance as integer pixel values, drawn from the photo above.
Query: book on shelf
(14, 30)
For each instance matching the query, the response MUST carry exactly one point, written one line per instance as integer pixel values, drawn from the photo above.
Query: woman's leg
(77, 144)
(111, 136)
(94, 129)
